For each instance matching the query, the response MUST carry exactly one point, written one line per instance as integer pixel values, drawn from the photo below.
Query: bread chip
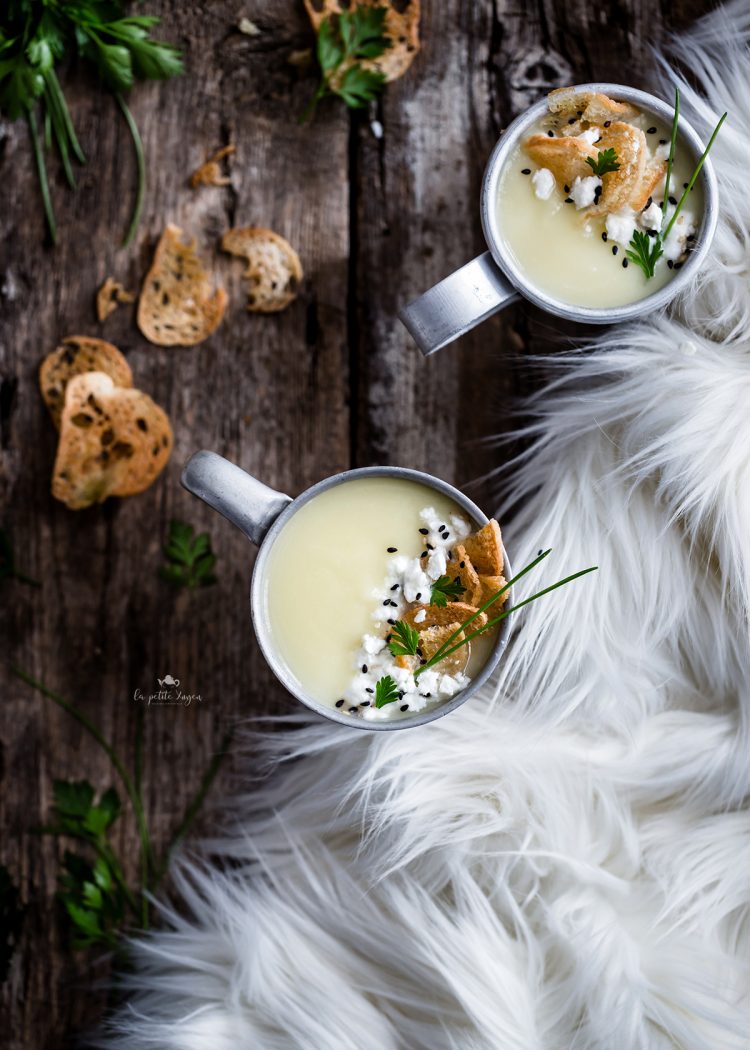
(109, 296)
(590, 106)
(485, 548)
(438, 616)
(654, 172)
(432, 638)
(177, 306)
(461, 568)
(564, 157)
(273, 267)
(209, 172)
(113, 442)
(77, 354)
(618, 187)
(401, 26)
(489, 585)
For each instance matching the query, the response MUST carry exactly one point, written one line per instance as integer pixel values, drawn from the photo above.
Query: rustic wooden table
(330, 383)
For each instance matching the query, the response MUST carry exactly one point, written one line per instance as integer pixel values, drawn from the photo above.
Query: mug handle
(249, 504)
(457, 304)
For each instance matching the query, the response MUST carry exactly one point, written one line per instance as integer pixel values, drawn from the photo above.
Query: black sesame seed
(684, 185)
(423, 661)
(462, 565)
(391, 622)
(419, 652)
(392, 550)
(450, 553)
(387, 601)
(673, 200)
(651, 233)
(539, 553)
(678, 265)
(394, 587)
(670, 264)
(567, 189)
(569, 200)
(446, 534)
(370, 691)
(429, 547)
(424, 554)
(572, 120)
(353, 709)
(364, 668)
(339, 703)
(394, 604)
(424, 532)
(419, 595)
(524, 171)
(615, 249)
(596, 143)
(604, 236)
(651, 131)
(662, 142)
(607, 123)
(624, 264)
(690, 237)
(365, 703)
(649, 202)
(551, 134)
(404, 707)
(400, 693)
(388, 638)
(427, 695)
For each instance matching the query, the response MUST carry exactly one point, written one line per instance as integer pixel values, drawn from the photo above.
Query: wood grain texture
(331, 382)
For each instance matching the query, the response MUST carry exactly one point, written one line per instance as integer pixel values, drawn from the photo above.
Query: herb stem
(54, 83)
(42, 173)
(141, 164)
(672, 147)
(693, 178)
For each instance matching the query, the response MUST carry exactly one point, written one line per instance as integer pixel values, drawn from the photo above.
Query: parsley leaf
(345, 41)
(444, 589)
(645, 251)
(606, 161)
(189, 558)
(386, 691)
(404, 639)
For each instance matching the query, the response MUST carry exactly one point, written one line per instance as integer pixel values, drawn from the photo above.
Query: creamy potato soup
(584, 180)
(366, 582)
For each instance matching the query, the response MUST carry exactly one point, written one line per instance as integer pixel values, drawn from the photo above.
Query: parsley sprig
(444, 589)
(605, 162)
(404, 639)
(345, 40)
(189, 559)
(646, 251)
(37, 35)
(386, 691)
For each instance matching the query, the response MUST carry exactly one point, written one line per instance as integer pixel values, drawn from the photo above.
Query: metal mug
(492, 280)
(261, 514)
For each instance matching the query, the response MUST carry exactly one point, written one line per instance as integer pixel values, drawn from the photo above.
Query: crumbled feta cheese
(590, 136)
(421, 616)
(621, 226)
(650, 218)
(662, 152)
(436, 564)
(373, 645)
(543, 182)
(675, 244)
(583, 190)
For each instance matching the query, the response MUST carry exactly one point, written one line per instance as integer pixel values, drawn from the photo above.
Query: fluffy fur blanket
(566, 862)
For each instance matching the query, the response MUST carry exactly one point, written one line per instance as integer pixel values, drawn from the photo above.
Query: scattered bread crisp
(273, 267)
(618, 187)
(178, 306)
(460, 568)
(485, 548)
(439, 615)
(401, 26)
(432, 638)
(209, 172)
(113, 442)
(489, 585)
(75, 355)
(564, 157)
(109, 296)
(590, 106)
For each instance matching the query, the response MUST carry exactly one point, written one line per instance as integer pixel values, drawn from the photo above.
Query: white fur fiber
(564, 863)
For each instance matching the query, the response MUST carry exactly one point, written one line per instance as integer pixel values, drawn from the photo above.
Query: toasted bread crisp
(273, 269)
(490, 585)
(109, 297)
(178, 306)
(75, 355)
(432, 638)
(209, 172)
(401, 27)
(485, 548)
(438, 616)
(618, 187)
(113, 442)
(460, 568)
(589, 106)
(564, 157)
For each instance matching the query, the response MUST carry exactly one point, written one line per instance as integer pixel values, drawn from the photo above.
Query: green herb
(37, 35)
(93, 888)
(646, 251)
(8, 563)
(345, 40)
(12, 914)
(606, 161)
(386, 691)
(444, 589)
(404, 639)
(447, 648)
(189, 558)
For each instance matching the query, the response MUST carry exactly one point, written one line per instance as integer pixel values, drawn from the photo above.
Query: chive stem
(141, 165)
(42, 173)
(693, 178)
(672, 147)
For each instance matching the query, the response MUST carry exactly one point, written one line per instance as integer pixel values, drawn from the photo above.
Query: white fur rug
(566, 863)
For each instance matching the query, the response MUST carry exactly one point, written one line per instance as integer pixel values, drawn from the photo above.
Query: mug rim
(262, 629)
(597, 315)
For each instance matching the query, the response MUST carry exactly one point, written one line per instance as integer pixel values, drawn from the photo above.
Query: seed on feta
(584, 190)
